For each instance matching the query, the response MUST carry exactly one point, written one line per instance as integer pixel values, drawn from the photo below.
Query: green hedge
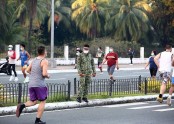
(153, 86)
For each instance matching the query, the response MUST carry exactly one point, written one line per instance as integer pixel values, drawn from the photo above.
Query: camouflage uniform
(85, 65)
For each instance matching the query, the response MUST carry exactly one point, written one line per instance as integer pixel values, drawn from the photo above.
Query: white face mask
(22, 48)
(77, 53)
(9, 48)
(152, 54)
(111, 50)
(86, 51)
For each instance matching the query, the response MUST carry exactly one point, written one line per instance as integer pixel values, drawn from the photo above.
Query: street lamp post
(52, 34)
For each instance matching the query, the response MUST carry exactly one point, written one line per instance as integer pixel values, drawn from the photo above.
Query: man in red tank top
(112, 62)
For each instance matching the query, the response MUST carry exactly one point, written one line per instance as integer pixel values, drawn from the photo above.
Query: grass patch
(104, 95)
(53, 98)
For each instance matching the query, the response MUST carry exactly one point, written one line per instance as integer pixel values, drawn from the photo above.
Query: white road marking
(145, 107)
(164, 110)
(126, 104)
(56, 79)
(127, 76)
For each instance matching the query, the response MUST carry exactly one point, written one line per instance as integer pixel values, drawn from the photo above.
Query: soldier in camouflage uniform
(86, 69)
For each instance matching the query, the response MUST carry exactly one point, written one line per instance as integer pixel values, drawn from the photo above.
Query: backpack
(14, 55)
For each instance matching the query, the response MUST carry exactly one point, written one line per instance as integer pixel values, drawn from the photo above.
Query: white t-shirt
(10, 54)
(165, 64)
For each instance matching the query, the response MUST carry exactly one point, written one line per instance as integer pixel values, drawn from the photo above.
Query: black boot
(85, 99)
(112, 79)
(79, 99)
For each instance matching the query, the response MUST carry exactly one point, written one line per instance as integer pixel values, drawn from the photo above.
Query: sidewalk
(74, 104)
(70, 68)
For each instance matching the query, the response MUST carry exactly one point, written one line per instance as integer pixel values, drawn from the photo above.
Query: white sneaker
(169, 101)
(11, 78)
(16, 79)
(26, 80)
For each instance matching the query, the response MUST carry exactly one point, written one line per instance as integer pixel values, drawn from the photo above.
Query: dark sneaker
(85, 99)
(112, 79)
(79, 99)
(19, 110)
(40, 122)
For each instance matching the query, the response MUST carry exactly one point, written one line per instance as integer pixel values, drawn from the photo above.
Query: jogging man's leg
(166, 78)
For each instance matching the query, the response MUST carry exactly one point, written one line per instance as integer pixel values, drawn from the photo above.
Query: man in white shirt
(165, 69)
(12, 58)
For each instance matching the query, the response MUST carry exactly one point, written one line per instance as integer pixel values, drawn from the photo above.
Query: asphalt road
(131, 113)
(65, 76)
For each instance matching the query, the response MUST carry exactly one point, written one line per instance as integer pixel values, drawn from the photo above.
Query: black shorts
(99, 63)
(153, 71)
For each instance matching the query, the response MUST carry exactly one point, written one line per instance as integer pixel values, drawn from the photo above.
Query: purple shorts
(38, 93)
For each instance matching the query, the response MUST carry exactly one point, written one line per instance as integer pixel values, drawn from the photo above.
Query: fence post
(145, 89)
(69, 89)
(110, 87)
(139, 83)
(75, 86)
(19, 92)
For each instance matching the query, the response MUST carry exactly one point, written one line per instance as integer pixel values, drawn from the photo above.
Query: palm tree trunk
(32, 13)
(29, 35)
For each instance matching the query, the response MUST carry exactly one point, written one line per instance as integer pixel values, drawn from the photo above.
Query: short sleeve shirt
(111, 58)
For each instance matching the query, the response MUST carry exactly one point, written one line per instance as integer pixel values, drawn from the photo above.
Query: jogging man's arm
(157, 57)
(44, 65)
(172, 60)
(28, 70)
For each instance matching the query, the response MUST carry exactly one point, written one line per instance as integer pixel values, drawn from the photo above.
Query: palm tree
(62, 14)
(162, 19)
(128, 19)
(89, 16)
(31, 13)
(10, 30)
(2, 12)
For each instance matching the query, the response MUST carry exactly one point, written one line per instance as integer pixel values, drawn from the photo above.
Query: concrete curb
(74, 104)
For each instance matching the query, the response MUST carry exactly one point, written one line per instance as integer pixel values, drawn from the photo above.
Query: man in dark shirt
(131, 55)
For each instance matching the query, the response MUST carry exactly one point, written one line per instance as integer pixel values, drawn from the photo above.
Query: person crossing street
(12, 60)
(100, 56)
(25, 57)
(164, 63)
(112, 62)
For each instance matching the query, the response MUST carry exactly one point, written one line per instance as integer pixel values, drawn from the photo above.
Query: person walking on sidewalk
(12, 58)
(100, 56)
(85, 67)
(152, 66)
(112, 62)
(37, 86)
(165, 68)
(24, 56)
(131, 55)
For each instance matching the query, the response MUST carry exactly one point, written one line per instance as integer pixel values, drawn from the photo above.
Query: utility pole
(52, 34)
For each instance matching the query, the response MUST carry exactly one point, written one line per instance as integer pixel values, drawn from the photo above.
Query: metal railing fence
(13, 93)
(131, 86)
